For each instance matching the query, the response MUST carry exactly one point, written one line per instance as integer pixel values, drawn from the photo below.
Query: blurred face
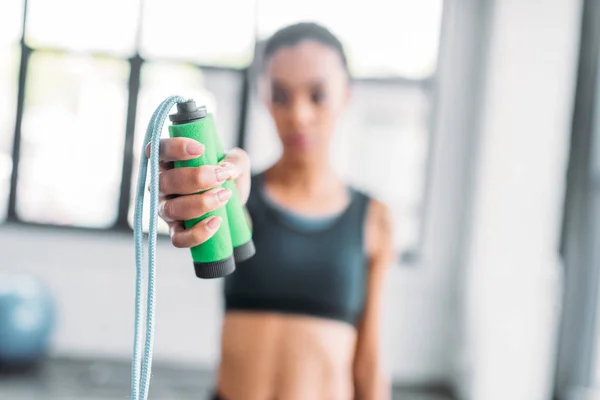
(306, 91)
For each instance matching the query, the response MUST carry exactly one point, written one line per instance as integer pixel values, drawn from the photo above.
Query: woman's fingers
(241, 171)
(239, 160)
(179, 188)
(178, 149)
(182, 181)
(198, 234)
(193, 206)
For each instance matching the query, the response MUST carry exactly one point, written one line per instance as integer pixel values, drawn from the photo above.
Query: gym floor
(67, 379)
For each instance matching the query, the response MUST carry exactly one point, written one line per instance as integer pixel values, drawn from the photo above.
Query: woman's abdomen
(267, 356)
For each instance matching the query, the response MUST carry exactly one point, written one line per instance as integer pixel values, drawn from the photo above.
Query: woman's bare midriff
(268, 356)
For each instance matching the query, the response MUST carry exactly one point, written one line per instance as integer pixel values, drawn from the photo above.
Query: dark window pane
(208, 32)
(596, 141)
(11, 26)
(386, 128)
(104, 26)
(219, 90)
(9, 66)
(397, 38)
(72, 140)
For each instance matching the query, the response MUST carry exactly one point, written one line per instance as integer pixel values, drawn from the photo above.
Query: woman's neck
(303, 176)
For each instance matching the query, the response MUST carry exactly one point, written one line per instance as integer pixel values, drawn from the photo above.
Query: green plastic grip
(232, 242)
(239, 227)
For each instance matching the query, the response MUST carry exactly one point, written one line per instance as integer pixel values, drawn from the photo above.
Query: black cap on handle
(216, 269)
(187, 112)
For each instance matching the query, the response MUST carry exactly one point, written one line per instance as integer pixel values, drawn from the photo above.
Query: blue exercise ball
(27, 318)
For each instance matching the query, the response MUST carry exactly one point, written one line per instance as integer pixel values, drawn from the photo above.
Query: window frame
(248, 73)
(577, 360)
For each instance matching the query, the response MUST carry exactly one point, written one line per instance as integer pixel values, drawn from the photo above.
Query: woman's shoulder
(359, 191)
(376, 221)
(364, 196)
(379, 227)
(376, 207)
(373, 200)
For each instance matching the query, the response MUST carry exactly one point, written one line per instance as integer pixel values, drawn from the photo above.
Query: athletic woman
(302, 317)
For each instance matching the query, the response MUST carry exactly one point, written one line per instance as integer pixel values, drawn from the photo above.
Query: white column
(512, 269)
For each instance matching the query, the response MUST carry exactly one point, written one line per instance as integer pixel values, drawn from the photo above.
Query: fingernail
(195, 148)
(224, 195)
(223, 174)
(214, 223)
(161, 212)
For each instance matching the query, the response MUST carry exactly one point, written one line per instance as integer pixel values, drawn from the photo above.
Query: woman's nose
(302, 113)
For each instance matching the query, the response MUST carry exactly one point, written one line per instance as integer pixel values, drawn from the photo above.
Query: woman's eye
(318, 97)
(279, 97)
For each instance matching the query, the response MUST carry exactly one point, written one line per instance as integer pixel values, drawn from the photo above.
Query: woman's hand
(174, 183)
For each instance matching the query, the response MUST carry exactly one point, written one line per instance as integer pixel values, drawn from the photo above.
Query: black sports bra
(301, 266)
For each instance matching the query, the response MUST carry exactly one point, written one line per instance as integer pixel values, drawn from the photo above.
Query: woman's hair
(291, 35)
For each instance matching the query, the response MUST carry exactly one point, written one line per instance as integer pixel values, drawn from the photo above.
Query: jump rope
(215, 258)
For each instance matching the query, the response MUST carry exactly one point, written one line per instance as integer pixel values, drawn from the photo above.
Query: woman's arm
(370, 384)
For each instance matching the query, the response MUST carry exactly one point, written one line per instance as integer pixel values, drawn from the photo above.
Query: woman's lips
(300, 141)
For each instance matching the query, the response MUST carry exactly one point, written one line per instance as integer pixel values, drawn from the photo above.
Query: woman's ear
(348, 92)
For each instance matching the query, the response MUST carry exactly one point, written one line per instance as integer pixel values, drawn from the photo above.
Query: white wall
(92, 276)
(512, 271)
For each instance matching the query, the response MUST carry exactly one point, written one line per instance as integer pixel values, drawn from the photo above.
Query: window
(72, 140)
(207, 32)
(219, 90)
(386, 38)
(262, 143)
(107, 26)
(84, 105)
(11, 17)
(9, 64)
(11, 22)
(383, 139)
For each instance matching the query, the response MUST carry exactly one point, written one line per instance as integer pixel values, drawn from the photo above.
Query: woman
(302, 316)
